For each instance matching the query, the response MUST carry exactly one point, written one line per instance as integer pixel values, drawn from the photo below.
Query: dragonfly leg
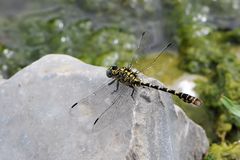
(133, 90)
(116, 88)
(110, 83)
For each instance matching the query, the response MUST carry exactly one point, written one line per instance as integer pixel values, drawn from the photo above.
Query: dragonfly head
(111, 71)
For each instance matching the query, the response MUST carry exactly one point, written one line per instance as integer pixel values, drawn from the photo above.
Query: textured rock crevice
(37, 122)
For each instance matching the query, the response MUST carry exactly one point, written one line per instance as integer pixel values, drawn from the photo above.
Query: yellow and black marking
(128, 77)
(183, 96)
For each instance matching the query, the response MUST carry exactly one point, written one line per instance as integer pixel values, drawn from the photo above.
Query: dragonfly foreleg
(117, 86)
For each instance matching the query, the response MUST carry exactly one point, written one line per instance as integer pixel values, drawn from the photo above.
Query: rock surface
(36, 121)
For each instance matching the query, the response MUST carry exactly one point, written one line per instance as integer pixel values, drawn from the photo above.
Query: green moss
(209, 157)
(54, 34)
(111, 45)
(224, 151)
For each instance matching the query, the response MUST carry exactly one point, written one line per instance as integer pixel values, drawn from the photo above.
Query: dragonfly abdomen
(183, 96)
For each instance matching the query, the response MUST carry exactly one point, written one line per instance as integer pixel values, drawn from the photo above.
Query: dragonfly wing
(100, 93)
(118, 108)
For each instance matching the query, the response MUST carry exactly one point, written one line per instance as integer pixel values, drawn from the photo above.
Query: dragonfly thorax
(124, 75)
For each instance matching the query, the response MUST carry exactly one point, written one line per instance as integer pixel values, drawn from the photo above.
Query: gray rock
(37, 122)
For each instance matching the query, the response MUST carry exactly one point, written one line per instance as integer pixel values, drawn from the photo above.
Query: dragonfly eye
(109, 73)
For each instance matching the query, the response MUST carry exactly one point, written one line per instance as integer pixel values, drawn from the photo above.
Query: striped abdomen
(183, 96)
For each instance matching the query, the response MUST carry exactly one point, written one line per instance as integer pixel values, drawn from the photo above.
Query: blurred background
(205, 53)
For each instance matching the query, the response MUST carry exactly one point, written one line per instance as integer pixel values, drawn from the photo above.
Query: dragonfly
(122, 98)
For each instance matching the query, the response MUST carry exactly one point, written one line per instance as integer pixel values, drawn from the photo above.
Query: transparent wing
(145, 68)
(148, 44)
(99, 94)
(116, 104)
(119, 107)
(142, 47)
